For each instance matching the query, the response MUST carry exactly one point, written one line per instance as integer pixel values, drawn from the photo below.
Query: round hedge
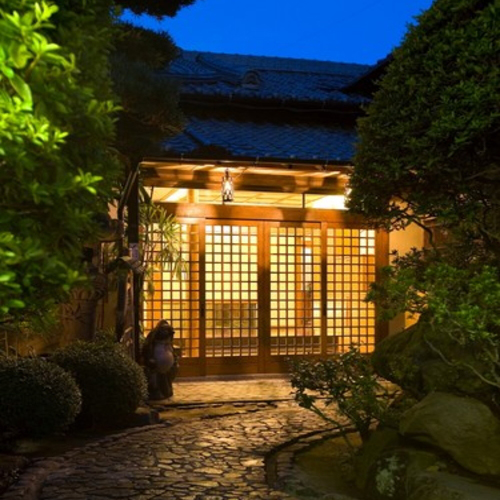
(112, 384)
(38, 397)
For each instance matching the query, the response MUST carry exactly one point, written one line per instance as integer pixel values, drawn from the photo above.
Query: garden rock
(444, 486)
(463, 427)
(380, 441)
(407, 360)
(388, 476)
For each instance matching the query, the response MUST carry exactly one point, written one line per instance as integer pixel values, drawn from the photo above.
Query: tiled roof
(265, 78)
(254, 83)
(251, 139)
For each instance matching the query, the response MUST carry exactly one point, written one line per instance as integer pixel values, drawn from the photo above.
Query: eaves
(270, 103)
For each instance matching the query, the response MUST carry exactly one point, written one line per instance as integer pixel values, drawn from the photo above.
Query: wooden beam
(243, 212)
(294, 182)
(278, 164)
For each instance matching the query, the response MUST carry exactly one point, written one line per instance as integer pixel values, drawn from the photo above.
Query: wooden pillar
(133, 241)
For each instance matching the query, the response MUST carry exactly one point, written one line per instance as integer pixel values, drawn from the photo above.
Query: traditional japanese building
(274, 265)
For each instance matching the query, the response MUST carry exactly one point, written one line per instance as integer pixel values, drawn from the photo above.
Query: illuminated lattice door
(231, 290)
(350, 270)
(295, 290)
(175, 295)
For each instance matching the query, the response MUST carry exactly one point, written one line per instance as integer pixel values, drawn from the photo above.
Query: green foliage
(460, 305)
(149, 98)
(429, 143)
(155, 8)
(387, 477)
(154, 49)
(56, 124)
(346, 381)
(112, 384)
(157, 225)
(429, 148)
(38, 397)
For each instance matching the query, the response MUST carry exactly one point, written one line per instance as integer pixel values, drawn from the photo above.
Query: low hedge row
(94, 381)
(112, 384)
(38, 397)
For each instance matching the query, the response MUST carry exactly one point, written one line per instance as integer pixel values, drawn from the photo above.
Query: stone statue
(160, 360)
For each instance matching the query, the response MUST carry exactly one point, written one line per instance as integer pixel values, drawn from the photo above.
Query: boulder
(407, 359)
(380, 441)
(388, 476)
(398, 357)
(444, 486)
(463, 427)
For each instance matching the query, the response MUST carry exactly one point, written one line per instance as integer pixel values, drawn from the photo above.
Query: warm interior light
(227, 188)
(336, 202)
(177, 195)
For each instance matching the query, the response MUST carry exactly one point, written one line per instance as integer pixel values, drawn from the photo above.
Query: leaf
(15, 304)
(7, 71)
(5, 277)
(22, 88)
(19, 54)
(51, 47)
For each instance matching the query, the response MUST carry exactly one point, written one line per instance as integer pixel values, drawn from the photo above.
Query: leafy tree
(149, 114)
(429, 145)
(429, 148)
(149, 99)
(56, 125)
(154, 7)
(457, 304)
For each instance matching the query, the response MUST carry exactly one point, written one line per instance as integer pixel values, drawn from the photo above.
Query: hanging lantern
(227, 188)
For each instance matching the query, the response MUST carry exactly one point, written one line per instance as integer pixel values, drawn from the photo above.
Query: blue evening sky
(361, 31)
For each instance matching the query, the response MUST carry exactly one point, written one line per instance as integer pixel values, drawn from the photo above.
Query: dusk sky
(361, 31)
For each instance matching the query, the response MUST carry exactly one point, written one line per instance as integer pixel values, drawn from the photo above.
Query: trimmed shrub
(346, 381)
(112, 384)
(38, 397)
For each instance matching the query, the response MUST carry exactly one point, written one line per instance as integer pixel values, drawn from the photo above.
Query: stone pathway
(215, 390)
(216, 457)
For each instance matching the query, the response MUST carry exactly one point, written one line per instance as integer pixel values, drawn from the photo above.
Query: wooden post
(133, 241)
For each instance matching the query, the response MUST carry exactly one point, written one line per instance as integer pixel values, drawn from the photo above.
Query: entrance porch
(263, 283)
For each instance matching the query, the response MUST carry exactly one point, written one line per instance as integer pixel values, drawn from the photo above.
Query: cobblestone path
(222, 457)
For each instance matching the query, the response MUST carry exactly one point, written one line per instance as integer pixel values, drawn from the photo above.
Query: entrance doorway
(257, 291)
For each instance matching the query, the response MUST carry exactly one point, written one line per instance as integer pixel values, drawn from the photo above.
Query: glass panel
(175, 296)
(231, 295)
(296, 290)
(350, 270)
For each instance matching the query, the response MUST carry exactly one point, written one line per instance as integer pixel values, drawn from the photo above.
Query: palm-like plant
(160, 240)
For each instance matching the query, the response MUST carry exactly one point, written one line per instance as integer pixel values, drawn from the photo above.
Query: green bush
(112, 384)
(459, 315)
(38, 397)
(348, 382)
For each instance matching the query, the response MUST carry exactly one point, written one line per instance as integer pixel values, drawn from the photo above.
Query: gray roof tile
(239, 64)
(299, 141)
(261, 79)
(210, 74)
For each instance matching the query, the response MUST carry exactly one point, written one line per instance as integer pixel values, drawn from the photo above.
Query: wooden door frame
(224, 365)
(264, 362)
(279, 362)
